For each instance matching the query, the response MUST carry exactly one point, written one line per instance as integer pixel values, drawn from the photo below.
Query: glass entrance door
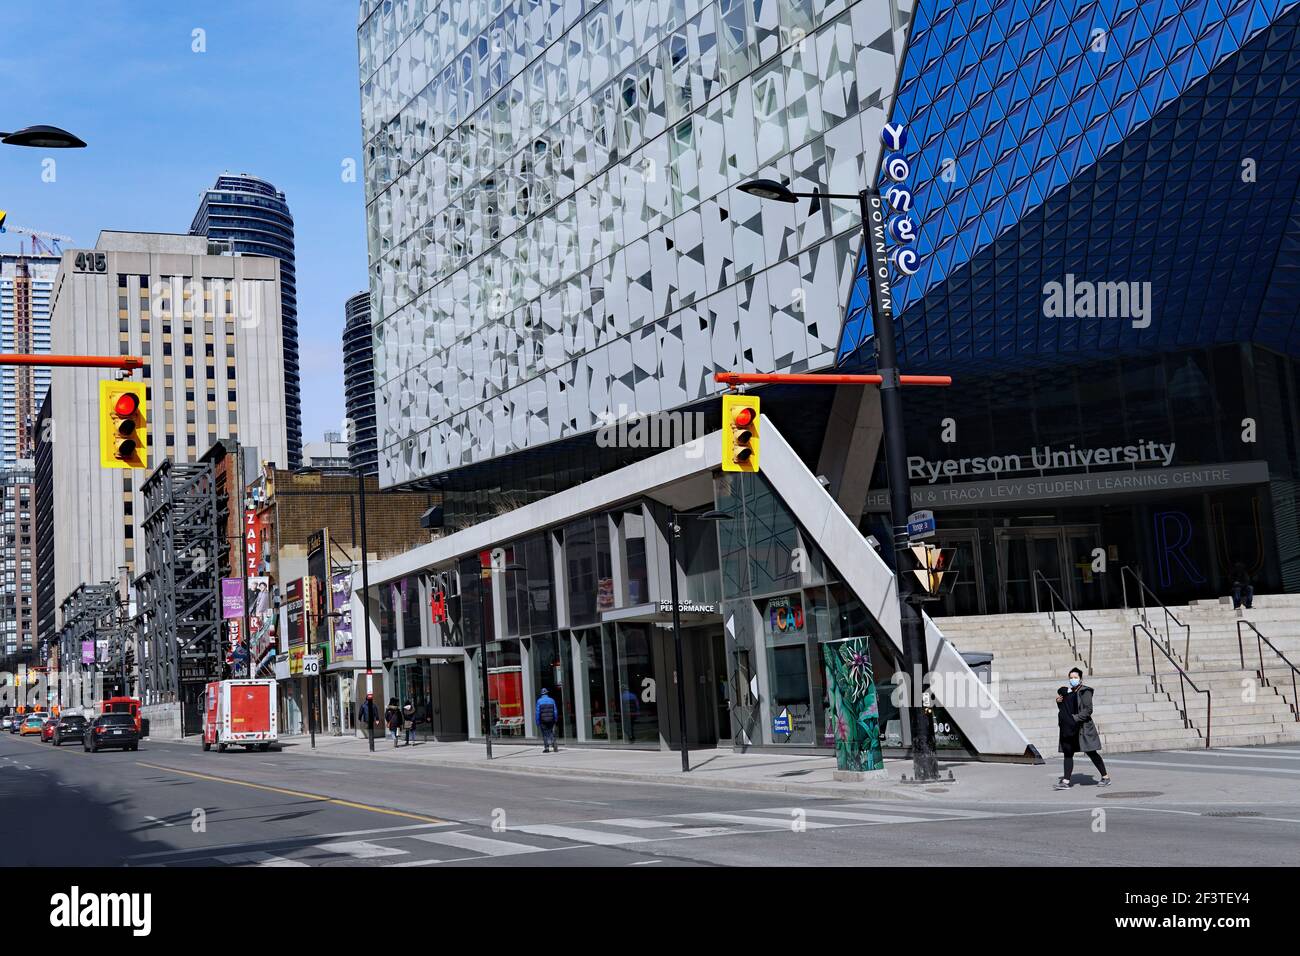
(1026, 556)
(967, 595)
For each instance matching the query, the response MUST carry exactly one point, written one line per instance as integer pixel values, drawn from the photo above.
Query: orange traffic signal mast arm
(128, 363)
(789, 378)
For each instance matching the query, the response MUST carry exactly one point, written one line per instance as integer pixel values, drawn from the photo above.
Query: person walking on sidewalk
(393, 719)
(1078, 730)
(408, 716)
(368, 715)
(546, 715)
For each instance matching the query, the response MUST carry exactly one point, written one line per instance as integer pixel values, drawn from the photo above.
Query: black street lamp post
(912, 627)
(674, 529)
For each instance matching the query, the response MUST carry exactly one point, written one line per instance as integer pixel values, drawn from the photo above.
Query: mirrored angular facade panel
(554, 223)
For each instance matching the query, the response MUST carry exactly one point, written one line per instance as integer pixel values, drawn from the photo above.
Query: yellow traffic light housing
(740, 418)
(123, 425)
(936, 570)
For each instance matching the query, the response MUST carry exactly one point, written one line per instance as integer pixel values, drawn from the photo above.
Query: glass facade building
(253, 217)
(555, 231)
(1105, 194)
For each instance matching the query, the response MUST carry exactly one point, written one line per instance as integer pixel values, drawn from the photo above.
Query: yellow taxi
(32, 725)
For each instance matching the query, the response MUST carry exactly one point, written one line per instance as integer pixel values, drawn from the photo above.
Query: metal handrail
(1143, 591)
(1183, 681)
(1074, 618)
(1260, 641)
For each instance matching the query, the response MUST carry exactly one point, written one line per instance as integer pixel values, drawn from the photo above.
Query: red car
(47, 729)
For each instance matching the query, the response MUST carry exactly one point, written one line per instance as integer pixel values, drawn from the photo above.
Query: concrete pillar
(851, 445)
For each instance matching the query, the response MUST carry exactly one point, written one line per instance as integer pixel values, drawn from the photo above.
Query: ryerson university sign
(944, 488)
(1045, 458)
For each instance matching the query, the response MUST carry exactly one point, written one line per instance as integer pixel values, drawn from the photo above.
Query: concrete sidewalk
(1140, 782)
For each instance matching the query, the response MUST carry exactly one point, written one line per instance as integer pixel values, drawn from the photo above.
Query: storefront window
(637, 693)
(471, 610)
(551, 669)
(593, 675)
(786, 633)
(505, 689)
(445, 609)
(591, 567)
(387, 620)
(408, 593)
(698, 553)
(638, 576)
(580, 555)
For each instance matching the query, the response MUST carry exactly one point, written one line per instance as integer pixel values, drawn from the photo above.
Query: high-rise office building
(26, 287)
(208, 329)
(43, 494)
(18, 607)
(252, 216)
(359, 383)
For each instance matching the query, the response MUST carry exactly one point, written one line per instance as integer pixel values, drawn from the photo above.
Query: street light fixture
(770, 189)
(674, 529)
(486, 575)
(912, 628)
(43, 137)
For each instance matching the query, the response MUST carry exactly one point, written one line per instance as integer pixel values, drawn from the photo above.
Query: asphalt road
(173, 805)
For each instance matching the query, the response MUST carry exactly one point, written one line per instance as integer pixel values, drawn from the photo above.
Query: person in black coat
(1078, 730)
(1243, 591)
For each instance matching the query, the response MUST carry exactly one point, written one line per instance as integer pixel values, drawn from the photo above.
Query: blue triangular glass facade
(1163, 149)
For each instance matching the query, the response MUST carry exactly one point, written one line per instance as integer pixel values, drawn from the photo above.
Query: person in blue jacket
(547, 714)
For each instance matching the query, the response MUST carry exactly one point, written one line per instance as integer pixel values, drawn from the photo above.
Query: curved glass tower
(252, 215)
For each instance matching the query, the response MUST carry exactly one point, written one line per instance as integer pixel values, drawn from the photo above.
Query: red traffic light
(126, 404)
(743, 418)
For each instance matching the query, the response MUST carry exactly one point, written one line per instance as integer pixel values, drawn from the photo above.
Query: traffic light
(935, 570)
(123, 430)
(740, 433)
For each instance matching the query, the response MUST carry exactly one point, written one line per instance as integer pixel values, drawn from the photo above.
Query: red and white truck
(239, 713)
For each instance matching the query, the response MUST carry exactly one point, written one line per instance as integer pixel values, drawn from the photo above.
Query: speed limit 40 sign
(311, 665)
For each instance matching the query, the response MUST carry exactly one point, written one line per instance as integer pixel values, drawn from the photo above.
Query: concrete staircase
(1032, 658)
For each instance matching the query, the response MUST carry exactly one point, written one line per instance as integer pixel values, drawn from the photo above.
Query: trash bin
(981, 662)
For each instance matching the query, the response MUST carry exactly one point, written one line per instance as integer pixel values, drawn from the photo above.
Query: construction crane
(43, 243)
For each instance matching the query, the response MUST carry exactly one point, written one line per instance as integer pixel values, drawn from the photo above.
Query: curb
(848, 792)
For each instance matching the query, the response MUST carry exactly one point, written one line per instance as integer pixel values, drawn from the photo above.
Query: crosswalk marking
(581, 835)
(632, 823)
(360, 849)
(257, 858)
(484, 845)
(755, 821)
(1200, 766)
(1233, 753)
(938, 813)
(866, 817)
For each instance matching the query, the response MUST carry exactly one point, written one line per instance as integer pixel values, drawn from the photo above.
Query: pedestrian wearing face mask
(1078, 731)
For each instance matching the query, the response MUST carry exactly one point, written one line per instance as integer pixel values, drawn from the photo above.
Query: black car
(111, 730)
(71, 727)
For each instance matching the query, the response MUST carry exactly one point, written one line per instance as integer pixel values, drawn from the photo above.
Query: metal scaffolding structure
(91, 613)
(179, 620)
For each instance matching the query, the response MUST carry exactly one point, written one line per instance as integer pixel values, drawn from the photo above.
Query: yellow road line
(295, 793)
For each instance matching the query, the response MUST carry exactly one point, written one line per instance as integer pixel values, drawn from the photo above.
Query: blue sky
(275, 94)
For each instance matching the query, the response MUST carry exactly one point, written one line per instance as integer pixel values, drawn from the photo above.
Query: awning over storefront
(661, 612)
